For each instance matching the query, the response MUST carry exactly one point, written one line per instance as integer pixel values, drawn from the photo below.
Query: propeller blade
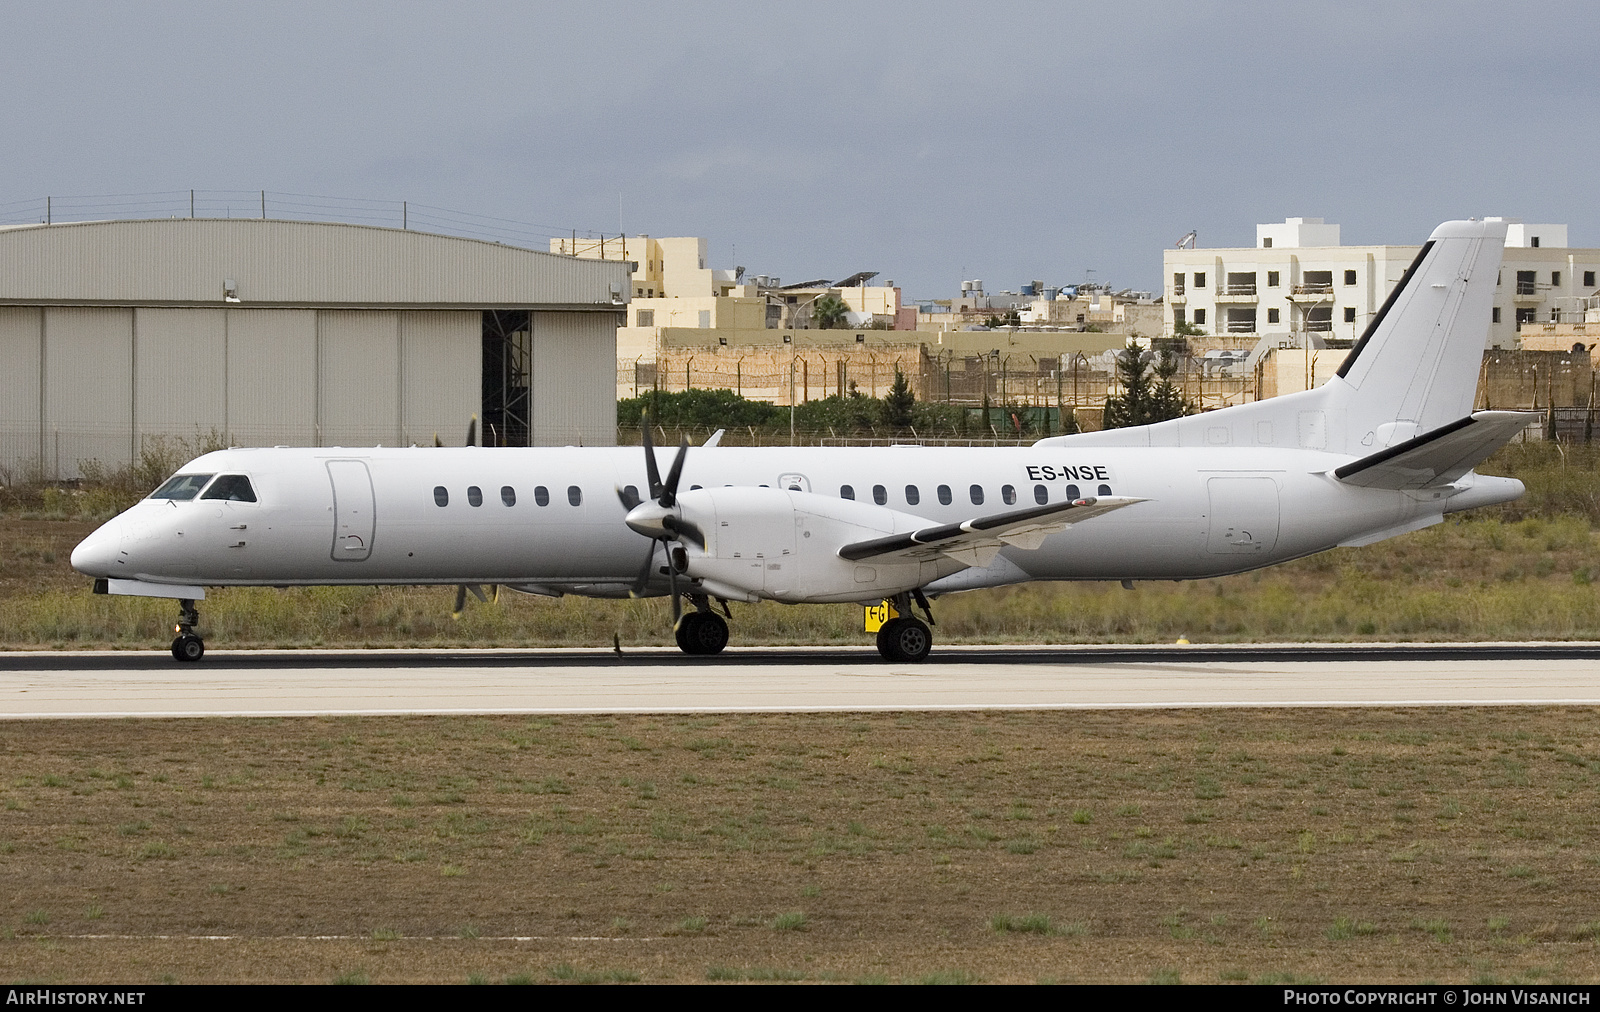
(669, 494)
(629, 496)
(644, 573)
(472, 431)
(494, 593)
(686, 530)
(672, 585)
(650, 469)
(436, 440)
(461, 601)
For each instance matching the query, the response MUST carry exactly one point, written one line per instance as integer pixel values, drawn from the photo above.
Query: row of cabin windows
(1008, 494)
(508, 495)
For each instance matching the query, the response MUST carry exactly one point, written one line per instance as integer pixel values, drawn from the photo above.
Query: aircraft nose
(96, 555)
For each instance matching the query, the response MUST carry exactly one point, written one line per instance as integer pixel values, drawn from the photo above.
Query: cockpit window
(181, 487)
(233, 487)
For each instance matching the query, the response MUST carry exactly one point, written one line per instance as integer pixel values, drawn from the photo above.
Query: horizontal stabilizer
(1438, 457)
(975, 542)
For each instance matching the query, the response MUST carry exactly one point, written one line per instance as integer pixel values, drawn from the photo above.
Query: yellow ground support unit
(878, 614)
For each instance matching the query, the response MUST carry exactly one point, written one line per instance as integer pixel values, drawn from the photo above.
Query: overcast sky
(931, 142)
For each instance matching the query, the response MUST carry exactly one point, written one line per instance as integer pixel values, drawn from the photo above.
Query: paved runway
(303, 682)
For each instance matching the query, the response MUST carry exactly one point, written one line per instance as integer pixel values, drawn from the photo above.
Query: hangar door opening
(507, 377)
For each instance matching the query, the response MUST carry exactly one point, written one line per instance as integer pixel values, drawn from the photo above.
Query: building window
(1272, 279)
(441, 495)
(1349, 277)
(1525, 283)
(1588, 279)
(1008, 494)
(474, 495)
(1266, 243)
(976, 492)
(1272, 316)
(1495, 314)
(1241, 283)
(1178, 314)
(1535, 242)
(574, 495)
(1555, 279)
(1199, 317)
(847, 492)
(645, 318)
(913, 496)
(1320, 319)
(1555, 315)
(1200, 279)
(541, 495)
(1524, 316)
(880, 495)
(1242, 320)
(1316, 281)
(508, 495)
(1177, 284)
(1349, 314)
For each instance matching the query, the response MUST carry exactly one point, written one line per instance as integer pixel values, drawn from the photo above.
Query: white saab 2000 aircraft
(1385, 447)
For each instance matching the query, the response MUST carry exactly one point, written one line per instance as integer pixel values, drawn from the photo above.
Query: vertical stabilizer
(1416, 368)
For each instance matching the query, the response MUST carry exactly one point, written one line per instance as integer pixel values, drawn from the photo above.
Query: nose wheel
(187, 646)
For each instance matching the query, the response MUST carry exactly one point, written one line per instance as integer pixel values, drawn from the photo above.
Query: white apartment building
(1299, 287)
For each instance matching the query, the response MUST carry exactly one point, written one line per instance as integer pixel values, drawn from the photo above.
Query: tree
(829, 312)
(897, 404)
(1141, 403)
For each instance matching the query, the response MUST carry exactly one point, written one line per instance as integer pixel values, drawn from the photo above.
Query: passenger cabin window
(976, 492)
(1041, 495)
(944, 495)
(508, 495)
(541, 495)
(846, 492)
(1073, 495)
(631, 491)
(880, 495)
(913, 496)
(474, 495)
(1008, 494)
(1104, 490)
(574, 495)
(232, 487)
(441, 495)
(181, 487)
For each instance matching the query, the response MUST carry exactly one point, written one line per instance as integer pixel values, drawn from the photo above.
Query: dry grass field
(1270, 846)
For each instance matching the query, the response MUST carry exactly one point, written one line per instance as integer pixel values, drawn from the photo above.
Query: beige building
(267, 332)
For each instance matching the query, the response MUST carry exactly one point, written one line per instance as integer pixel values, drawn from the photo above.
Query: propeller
(472, 434)
(656, 518)
(493, 597)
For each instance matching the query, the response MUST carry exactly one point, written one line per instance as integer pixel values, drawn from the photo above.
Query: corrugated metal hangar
(294, 333)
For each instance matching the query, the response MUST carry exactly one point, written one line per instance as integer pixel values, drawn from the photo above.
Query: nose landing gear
(187, 646)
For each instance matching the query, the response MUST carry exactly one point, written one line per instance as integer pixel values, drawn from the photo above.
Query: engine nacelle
(781, 544)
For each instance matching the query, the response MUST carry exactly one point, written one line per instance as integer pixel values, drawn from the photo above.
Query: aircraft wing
(975, 542)
(1438, 457)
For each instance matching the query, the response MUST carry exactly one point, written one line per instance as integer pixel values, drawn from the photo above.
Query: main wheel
(885, 639)
(908, 640)
(701, 633)
(188, 647)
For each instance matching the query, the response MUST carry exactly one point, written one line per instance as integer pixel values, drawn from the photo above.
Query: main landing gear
(188, 646)
(905, 638)
(701, 632)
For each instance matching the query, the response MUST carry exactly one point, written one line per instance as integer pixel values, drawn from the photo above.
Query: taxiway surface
(307, 682)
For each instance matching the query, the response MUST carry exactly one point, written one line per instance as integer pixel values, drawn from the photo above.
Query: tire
(886, 639)
(911, 640)
(684, 631)
(188, 648)
(709, 635)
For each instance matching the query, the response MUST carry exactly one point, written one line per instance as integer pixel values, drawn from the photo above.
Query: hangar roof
(271, 263)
